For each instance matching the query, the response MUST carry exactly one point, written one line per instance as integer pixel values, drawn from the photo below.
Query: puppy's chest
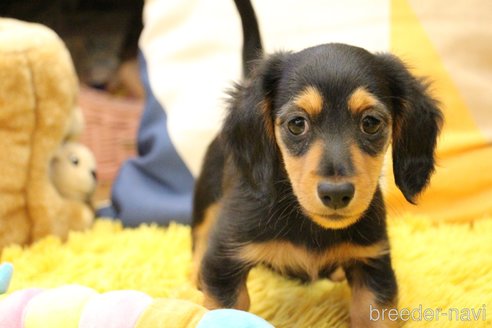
(294, 260)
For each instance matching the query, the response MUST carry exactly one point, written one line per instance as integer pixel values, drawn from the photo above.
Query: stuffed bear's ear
(248, 131)
(416, 125)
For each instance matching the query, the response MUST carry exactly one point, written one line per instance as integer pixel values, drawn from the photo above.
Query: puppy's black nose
(94, 174)
(336, 196)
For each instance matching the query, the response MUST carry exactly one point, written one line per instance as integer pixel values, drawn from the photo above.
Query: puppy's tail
(252, 46)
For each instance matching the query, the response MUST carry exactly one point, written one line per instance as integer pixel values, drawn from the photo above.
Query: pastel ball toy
(6, 271)
(229, 318)
(12, 307)
(167, 312)
(115, 309)
(82, 307)
(57, 307)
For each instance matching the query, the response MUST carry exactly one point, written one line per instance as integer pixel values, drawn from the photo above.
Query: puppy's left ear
(417, 121)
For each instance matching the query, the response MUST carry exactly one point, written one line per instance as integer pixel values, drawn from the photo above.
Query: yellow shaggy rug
(444, 272)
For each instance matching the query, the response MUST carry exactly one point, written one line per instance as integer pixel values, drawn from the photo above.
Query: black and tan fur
(268, 196)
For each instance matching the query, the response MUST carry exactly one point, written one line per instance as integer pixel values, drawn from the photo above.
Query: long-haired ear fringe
(248, 127)
(416, 126)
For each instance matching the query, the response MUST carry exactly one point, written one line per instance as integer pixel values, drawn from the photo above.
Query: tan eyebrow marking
(361, 99)
(310, 100)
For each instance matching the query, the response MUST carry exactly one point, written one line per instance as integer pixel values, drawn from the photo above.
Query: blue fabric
(155, 186)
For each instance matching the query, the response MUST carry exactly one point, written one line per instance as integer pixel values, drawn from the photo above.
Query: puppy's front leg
(223, 279)
(374, 293)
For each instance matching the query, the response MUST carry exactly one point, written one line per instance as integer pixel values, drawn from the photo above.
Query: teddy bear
(73, 172)
(38, 112)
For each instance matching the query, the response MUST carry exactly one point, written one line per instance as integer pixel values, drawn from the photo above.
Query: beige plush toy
(73, 172)
(38, 111)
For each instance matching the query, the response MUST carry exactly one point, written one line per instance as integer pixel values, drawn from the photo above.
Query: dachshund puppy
(292, 180)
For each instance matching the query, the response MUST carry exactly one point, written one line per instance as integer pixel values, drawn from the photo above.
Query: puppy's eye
(297, 126)
(74, 160)
(370, 125)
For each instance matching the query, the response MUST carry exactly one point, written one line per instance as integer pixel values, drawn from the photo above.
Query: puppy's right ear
(248, 131)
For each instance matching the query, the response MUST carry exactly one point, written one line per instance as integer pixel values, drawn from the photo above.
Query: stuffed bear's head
(73, 172)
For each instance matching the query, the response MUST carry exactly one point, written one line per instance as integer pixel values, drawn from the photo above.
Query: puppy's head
(326, 116)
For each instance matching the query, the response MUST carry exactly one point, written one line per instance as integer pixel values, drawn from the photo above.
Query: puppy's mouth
(332, 220)
(333, 216)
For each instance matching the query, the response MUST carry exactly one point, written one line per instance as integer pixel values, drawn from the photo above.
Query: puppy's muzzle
(335, 196)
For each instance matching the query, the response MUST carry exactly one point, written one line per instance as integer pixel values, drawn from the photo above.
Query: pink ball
(13, 306)
(115, 309)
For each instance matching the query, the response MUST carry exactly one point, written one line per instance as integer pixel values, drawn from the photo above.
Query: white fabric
(193, 52)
